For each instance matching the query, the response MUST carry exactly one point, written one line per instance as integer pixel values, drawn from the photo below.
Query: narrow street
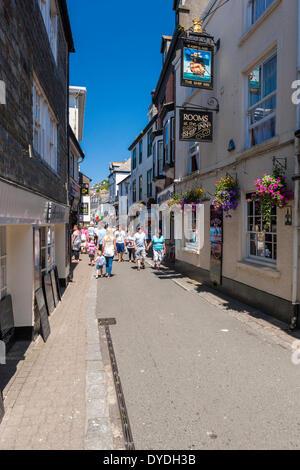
(193, 376)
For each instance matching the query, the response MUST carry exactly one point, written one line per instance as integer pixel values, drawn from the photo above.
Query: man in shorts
(120, 235)
(140, 247)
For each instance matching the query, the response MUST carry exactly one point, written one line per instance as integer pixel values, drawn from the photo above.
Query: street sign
(45, 325)
(195, 126)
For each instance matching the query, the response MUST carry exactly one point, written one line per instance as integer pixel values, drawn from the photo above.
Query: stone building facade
(35, 42)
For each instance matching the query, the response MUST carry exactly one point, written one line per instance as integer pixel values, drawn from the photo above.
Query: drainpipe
(295, 302)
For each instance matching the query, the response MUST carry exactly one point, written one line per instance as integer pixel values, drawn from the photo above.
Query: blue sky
(118, 59)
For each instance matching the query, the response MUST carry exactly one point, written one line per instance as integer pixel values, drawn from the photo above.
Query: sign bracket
(210, 103)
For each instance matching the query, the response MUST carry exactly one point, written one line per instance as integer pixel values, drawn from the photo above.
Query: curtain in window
(270, 76)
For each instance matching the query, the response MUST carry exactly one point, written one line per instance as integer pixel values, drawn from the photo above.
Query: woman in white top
(109, 249)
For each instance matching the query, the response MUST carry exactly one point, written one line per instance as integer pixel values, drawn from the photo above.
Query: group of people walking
(102, 244)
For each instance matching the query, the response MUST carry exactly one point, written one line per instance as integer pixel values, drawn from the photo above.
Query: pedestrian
(100, 263)
(76, 243)
(159, 248)
(140, 246)
(83, 239)
(101, 235)
(131, 246)
(91, 230)
(120, 235)
(92, 251)
(109, 250)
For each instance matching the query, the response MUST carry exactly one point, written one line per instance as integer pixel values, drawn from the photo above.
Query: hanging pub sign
(197, 65)
(196, 126)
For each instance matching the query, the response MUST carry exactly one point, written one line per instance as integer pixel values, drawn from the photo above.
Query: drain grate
(128, 438)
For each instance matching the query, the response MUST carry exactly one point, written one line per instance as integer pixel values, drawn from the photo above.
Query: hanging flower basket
(176, 201)
(227, 195)
(271, 191)
(192, 197)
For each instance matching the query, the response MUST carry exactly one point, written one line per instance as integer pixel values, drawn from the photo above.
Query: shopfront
(33, 240)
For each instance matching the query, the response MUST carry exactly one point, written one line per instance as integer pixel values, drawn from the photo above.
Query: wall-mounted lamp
(231, 146)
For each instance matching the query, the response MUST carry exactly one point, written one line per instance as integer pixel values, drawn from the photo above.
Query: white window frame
(250, 8)
(3, 263)
(270, 116)
(50, 17)
(45, 127)
(261, 259)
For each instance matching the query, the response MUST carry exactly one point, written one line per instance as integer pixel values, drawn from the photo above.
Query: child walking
(100, 262)
(92, 251)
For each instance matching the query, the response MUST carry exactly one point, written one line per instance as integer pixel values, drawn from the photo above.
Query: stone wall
(25, 50)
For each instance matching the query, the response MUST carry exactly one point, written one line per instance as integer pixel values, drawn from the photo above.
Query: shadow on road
(228, 303)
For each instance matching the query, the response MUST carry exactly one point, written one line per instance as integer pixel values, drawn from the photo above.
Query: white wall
(60, 251)
(20, 272)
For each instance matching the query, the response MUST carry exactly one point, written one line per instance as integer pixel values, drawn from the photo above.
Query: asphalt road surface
(193, 376)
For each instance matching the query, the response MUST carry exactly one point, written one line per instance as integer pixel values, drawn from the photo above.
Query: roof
(167, 62)
(63, 8)
(143, 132)
(125, 179)
(120, 167)
(163, 40)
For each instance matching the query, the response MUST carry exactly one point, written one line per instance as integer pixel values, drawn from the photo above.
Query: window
(134, 191)
(134, 158)
(140, 151)
(256, 8)
(149, 143)
(149, 183)
(166, 142)
(262, 84)
(172, 143)
(260, 244)
(44, 128)
(160, 156)
(190, 219)
(140, 188)
(47, 249)
(193, 162)
(49, 14)
(3, 263)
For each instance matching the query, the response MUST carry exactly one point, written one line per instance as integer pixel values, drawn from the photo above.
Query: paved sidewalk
(46, 399)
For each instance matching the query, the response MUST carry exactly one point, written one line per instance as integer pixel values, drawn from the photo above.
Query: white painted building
(117, 172)
(142, 187)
